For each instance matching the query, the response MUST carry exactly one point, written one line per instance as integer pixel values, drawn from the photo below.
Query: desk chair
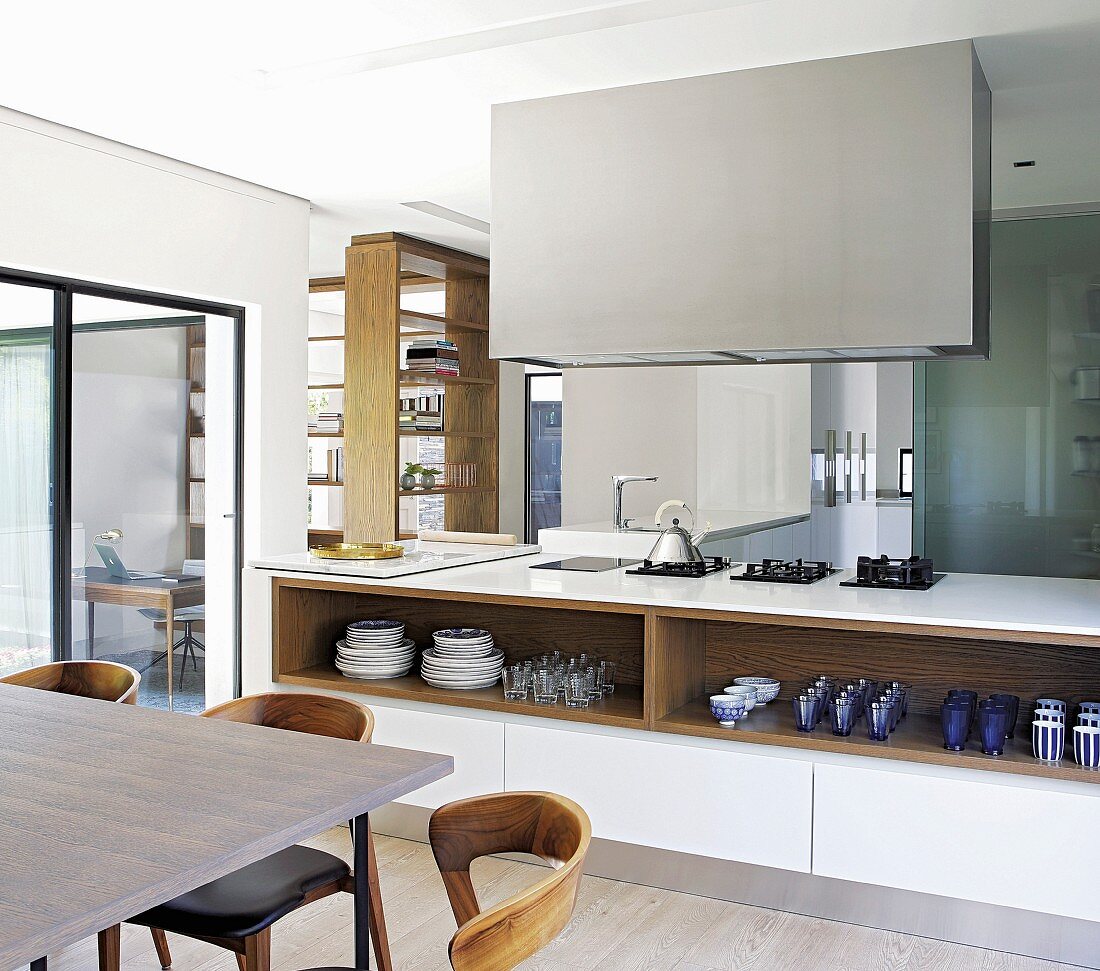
(541, 823)
(236, 911)
(105, 680)
(188, 617)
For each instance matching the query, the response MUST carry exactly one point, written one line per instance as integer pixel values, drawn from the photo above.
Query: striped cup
(1048, 739)
(1086, 745)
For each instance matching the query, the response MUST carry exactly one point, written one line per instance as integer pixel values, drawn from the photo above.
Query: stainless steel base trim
(1046, 936)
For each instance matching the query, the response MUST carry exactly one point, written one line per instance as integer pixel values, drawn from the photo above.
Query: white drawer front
(715, 803)
(997, 844)
(477, 747)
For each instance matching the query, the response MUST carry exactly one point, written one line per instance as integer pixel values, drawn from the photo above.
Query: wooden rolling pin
(451, 536)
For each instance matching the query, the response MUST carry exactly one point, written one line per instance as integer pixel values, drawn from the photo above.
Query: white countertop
(1039, 604)
(602, 539)
(419, 558)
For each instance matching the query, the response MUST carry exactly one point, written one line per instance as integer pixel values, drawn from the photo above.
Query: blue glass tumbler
(955, 719)
(878, 720)
(1013, 703)
(993, 728)
(805, 712)
(842, 715)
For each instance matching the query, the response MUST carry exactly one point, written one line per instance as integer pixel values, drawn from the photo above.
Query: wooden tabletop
(107, 810)
(97, 577)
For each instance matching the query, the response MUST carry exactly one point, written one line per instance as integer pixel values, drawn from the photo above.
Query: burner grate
(787, 571)
(883, 573)
(711, 564)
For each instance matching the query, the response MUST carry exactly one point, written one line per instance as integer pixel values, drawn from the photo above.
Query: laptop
(115, 566)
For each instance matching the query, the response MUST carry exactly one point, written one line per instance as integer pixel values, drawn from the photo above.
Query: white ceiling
(361, 106)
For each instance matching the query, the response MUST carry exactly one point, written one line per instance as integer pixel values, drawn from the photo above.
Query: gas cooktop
(787, 571)
(710, 564)
(883, 573)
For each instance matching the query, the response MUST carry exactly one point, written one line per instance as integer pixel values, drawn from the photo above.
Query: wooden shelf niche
(378, 269)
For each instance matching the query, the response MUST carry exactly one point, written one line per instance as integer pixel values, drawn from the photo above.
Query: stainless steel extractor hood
(832, 210)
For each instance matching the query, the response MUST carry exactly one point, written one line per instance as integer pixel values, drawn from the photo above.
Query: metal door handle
(863, 466)
(847, 466)
(229, 515)
(830, 467)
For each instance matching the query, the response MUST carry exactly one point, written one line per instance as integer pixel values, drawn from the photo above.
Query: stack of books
(432, 357)
(330, 421)
(423, 413)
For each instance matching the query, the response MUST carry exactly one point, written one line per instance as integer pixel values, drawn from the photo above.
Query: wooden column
(473, 408)
(373, 297)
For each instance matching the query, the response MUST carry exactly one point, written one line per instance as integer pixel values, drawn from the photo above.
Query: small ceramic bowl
(767, 689)
(743, 691)
(727, 709)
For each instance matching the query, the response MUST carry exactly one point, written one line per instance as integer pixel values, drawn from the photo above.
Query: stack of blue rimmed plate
(462, 658)
(372, 649)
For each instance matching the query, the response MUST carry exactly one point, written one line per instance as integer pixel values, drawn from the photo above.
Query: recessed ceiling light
(470, 222)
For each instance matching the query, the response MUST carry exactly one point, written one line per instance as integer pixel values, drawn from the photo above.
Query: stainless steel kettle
(676, 544)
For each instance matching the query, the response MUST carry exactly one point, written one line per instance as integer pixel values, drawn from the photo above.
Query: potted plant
(408, 477)
(427, 476)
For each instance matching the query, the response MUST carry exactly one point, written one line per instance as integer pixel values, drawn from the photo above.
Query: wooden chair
(236, 912)
(549, 826)
(104, 680)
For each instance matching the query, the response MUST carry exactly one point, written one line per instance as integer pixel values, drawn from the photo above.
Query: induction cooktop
(585, 564)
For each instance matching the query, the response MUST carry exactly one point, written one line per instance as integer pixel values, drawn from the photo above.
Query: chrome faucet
(617, 483)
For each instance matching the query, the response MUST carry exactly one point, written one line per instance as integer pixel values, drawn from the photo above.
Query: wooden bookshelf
(378, 268)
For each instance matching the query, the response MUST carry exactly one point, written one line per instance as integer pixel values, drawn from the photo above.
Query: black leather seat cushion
(254, 897)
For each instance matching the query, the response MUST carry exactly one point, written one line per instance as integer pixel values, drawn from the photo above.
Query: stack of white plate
(462, 658)
(373, 649)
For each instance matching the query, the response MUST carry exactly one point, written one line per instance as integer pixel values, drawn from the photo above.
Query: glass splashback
(1007, 452)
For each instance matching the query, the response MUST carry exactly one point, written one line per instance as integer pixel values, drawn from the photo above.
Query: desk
(92, 830)
(98, 586)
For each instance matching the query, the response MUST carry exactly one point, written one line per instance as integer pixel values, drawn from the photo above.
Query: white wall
(893, 421)
(731, 437)
(628, 421)
(81, 206)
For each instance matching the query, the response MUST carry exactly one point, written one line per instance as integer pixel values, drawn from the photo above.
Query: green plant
(414, 468)
(429, 471)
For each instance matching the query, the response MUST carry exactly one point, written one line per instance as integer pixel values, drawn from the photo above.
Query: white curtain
(25, 537)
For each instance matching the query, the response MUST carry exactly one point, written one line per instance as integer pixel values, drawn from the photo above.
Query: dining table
(107, 810)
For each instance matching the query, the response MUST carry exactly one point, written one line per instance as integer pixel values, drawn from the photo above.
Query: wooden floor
(617, 927)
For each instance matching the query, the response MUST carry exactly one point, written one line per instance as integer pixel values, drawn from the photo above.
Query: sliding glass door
(134, 428)
(26, 474)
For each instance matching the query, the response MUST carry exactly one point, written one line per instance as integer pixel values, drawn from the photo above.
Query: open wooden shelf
(323, 482)
(414, 378)
(623, 708)
(444, 490)
(324, 434)
(417, 321)
(417, 433)
(917, 738)
(324, 387)
(325, 337)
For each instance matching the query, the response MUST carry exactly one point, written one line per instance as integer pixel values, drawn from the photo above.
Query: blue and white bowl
(1086, 746)
(461, 634)
(767, 689)
(748, 692)
(727, 709)
(1089, 707)
(376, 625)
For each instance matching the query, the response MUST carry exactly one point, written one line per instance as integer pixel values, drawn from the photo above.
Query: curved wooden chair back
(104, 680)
(549, 826)
(300, 712)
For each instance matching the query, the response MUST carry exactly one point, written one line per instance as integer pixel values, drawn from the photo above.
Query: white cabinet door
(477, 747)
(998, 844)
(712, 802)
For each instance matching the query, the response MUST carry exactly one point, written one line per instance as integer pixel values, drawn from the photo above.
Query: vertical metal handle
(830, 467)
(863, 466)
(847, 466)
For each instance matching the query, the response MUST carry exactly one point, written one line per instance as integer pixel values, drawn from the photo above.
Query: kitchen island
(765, 814)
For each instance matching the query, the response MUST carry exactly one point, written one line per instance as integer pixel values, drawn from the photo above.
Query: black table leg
(91, 637)
(361, 868)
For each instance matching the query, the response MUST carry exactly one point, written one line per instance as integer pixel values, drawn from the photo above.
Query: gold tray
(358, 551)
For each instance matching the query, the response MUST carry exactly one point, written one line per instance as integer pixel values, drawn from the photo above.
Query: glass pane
(1007, 463)
(153, 480)
(26, 537)
(544, 429)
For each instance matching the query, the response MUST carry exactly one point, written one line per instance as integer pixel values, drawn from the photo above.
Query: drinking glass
(515, 683)
(607, 677)
(592, 679)
(546, 686)
(993, 727)
(878, 720)
(819, 695)
(1048, 740)
(577, 690)
(955, 720)
(1013, 703)
(805, 712)
(855, 696)
(842, 715)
